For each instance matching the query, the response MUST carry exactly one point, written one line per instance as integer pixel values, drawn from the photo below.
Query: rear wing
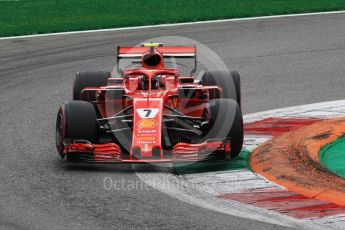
(167, 52)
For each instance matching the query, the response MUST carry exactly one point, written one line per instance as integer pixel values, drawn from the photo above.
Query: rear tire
(76, 120)
(89, 79)
(226, 123)
(229, 82)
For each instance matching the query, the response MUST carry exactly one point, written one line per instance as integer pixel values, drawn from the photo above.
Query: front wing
(112, 153)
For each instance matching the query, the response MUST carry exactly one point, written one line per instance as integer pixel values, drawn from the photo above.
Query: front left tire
(226, 123)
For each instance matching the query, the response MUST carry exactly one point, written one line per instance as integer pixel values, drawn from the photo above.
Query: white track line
(201, 189)
(185, 191)
(175, 24)
(329, 109)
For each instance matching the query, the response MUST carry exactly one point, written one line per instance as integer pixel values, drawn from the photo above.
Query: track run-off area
(275, 186)
(283, 61)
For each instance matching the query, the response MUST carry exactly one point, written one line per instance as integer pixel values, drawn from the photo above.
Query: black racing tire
(226, 81)
(226, 123)
(237, 134)
(89, 79)
(76, 120)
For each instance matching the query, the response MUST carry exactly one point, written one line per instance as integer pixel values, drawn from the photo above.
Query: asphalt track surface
(283, 62)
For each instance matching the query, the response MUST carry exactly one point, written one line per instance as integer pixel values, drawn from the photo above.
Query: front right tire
(76, 120)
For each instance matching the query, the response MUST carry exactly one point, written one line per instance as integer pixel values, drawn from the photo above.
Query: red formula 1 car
(151, 112)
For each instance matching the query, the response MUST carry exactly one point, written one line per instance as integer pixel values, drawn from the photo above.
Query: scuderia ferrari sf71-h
(152, 112)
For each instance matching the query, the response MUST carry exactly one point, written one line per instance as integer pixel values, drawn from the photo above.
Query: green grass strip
(332, 156)
(239, 162)
(46, 16)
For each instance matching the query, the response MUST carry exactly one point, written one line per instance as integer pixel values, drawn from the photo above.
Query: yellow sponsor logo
(151, 44)
(147, 123)
(175, 102)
